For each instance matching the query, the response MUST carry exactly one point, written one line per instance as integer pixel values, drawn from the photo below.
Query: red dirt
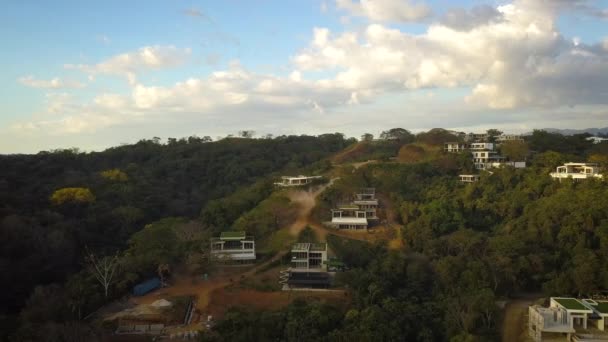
(224, 298)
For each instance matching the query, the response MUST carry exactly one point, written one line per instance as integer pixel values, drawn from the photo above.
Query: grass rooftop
(571, 303)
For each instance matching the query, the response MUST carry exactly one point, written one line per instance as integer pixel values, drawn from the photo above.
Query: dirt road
(515, 318)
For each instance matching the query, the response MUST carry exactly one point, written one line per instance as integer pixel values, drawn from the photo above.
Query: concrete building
(569, 319)
(234, 247)
(468, 178)
(296, 181)
(597, 140)
(481, 146)
(577, 171)
(509, 137)
(357, 214)
(455, 147)
(309, 257)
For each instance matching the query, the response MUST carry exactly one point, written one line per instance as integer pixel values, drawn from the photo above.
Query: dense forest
(58, 206)
(466, 245)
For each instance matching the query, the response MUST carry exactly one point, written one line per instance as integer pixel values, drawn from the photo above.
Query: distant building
(481, 146)
(309, 257)
(233, 247)
(296, 181)
(455, 147)
(597, 140)
(509, 137)
(577, 171)
(357, 214)
(569, 319)
(468, 178)
(476, 137)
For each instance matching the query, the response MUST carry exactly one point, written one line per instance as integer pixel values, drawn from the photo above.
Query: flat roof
(571, 304)
(305, 247)
(580, 164)
(348, 206)
(301, 246)
(349, 220)
(318, 246)
(299, 177)
(233, 235)
(601, 307)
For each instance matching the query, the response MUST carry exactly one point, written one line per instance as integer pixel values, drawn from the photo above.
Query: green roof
(571, 304)
(232, 235)
(602, 307)
(318, 246)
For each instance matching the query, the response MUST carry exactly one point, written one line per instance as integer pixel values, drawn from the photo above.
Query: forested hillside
(55, 204)
(463, 247)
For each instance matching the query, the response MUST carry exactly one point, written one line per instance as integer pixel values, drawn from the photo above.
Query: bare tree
(103, 269)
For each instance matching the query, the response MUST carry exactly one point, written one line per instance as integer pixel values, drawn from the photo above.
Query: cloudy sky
(95, 74)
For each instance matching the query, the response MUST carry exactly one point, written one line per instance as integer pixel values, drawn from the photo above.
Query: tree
(515, 150)
(248, 134)
(436, 136)
(72, 195)
(114, 175)
(367, 137)
(399, 134)
(104, 269)
(493, 134)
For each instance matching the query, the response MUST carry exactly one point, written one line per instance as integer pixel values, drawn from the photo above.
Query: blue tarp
(147, 286)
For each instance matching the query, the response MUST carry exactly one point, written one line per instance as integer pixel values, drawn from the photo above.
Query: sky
(96, 74)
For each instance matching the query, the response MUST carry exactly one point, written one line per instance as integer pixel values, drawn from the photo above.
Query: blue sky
(96, 74)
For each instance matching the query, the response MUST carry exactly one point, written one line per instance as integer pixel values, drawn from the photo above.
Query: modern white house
(481, 146)
(357, 214)
(468, 178)
(484, 159)
(309, 257)
(234, 247)
(509, 137)
(577, 171)
(597, 140)
(569, 319)
(297, 180)
(455, 147)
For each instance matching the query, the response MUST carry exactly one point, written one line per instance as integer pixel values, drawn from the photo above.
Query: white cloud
(55, 83)
(519, 60)
(461, 19)
(130, 63)
(386, 10)
(510, 65)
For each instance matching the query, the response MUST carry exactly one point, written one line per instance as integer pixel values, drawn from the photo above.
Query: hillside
(130, 186)
(441, 256)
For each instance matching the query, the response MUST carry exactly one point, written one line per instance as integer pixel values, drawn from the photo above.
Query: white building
(569, 318)
(233, 247)
(577, 171)
(455, 147)
(309, 257)
(481, 146)
(509, 137)
(296, 181)
(597, 140)
(468, 178)
(356, 215)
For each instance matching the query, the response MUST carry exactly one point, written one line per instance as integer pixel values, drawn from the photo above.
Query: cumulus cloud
(512, 58)
(130, 63)
(386, 10)
(519, 60)
(461, 19)
(55, 83)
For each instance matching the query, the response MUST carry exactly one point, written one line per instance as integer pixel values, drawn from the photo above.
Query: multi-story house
(233, 247)
(577, 171)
